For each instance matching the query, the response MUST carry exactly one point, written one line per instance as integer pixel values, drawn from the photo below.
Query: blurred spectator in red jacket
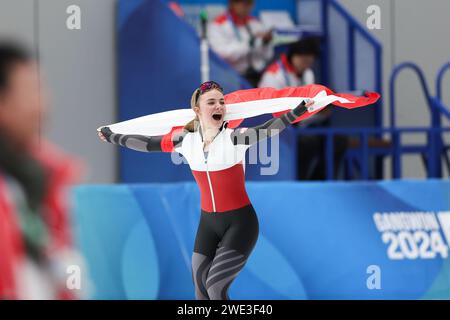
(293, 68)
(35, 236)
(241, 40)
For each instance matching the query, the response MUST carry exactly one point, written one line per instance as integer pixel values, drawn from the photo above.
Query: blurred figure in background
(35, 236)
(241, 40)
(294, 68)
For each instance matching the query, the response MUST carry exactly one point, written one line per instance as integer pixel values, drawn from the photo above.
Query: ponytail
(191, 125)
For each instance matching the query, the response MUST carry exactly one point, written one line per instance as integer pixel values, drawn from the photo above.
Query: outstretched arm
(164, 143)
(249, 136)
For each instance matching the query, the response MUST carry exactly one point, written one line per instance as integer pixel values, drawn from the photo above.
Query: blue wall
(316, 240)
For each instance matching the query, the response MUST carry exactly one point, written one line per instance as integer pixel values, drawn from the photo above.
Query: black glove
(300, 109)
(106, 131)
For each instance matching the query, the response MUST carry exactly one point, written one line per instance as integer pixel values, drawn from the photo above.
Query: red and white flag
(248, 103)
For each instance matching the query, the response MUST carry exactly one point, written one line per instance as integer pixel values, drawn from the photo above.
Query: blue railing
(428, 151)
(396, 71)
(431, 152)
(347, 55)
(353, 29)
(358, 73)
(433, 166)
(443, 110)
(440, 78)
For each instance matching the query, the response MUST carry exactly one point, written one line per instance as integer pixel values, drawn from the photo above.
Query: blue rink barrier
(318, 240)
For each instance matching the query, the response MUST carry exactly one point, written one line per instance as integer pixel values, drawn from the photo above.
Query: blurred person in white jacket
(241, 40)
(294, 68)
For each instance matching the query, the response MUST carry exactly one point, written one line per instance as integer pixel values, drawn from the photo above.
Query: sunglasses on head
(207, 86)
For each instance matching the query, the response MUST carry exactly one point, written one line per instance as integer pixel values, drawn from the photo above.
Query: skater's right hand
(104, 133)
(308, 102)
(102, 136)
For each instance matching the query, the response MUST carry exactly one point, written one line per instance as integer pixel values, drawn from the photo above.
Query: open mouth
(217, 116)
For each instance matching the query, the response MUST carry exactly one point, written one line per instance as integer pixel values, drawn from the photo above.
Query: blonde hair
(191, 125)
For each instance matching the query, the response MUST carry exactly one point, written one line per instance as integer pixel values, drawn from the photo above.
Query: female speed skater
(228, 227)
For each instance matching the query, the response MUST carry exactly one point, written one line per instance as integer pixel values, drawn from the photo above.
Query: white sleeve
(226, 45)
(265, 51)
(272, 80)
(179, 149)
(308, 77)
